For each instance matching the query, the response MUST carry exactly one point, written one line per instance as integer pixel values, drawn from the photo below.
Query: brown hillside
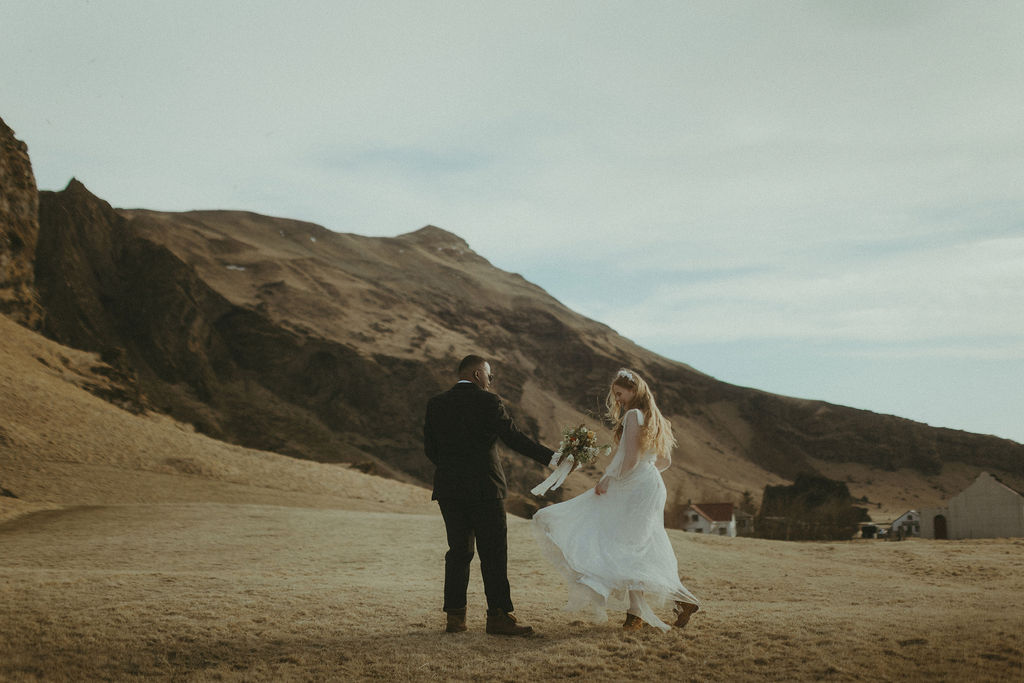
(284, 336)
(133, 546)
(61, 445)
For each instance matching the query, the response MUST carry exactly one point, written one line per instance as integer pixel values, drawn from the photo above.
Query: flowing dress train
(610, 545)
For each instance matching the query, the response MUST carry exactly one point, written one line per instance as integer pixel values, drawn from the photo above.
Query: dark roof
(715, 512)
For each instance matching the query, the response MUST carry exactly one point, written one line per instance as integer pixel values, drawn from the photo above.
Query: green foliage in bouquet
(581, 443)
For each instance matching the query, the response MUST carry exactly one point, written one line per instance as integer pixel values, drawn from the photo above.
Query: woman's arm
(631, 437)
(630, 443)
(663, 462)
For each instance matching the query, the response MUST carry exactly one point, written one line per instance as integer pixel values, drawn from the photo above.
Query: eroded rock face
(183, 349)
(19, 230)
(284, 336)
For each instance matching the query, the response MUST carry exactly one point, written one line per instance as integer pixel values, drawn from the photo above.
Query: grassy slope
(250, 592)
(138, 548)
(388, 295)
(60, 445)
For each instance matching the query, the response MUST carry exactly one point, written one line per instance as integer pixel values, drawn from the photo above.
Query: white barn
(909, 522)
(710, 518)
(988, 508)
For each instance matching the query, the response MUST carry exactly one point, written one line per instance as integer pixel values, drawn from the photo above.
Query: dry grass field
(257, 592)
(138, 549)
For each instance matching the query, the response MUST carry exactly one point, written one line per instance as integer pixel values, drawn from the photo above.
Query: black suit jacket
(460, 436)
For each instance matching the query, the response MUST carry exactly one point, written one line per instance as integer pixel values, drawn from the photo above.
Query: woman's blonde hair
(657, 431)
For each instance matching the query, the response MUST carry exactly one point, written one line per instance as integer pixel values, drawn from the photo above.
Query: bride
(610, 541)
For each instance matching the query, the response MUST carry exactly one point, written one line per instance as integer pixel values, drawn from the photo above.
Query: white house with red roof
(710, 518)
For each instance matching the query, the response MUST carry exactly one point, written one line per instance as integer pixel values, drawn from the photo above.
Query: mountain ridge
(283, 335)
(409, 306)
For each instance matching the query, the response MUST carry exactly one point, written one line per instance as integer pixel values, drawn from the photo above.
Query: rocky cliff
(189, 351)
(19, 227)
(284, 336)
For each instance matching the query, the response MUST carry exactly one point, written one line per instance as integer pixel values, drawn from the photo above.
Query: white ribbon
(556, 478)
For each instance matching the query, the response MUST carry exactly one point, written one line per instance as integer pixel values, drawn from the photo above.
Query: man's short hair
(471, 362)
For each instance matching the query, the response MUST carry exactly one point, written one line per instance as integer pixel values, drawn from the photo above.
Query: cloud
(844, 175)
(972, 290)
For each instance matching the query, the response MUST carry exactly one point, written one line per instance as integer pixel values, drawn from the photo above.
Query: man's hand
(602, 487)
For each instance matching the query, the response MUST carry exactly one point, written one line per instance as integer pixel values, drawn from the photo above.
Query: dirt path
(256, 592)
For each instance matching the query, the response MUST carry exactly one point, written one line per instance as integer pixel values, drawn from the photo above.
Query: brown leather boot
(456, 621)
(684, 610)
(632, 623)
(501, 623)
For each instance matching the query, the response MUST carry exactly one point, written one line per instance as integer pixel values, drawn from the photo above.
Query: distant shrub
(812, 508)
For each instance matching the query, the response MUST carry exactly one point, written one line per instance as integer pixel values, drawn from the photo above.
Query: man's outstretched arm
(512, 437)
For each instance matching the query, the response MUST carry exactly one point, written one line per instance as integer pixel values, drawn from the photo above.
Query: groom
(460, 437)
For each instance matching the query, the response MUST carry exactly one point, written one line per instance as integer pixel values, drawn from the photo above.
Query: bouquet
(577, 448)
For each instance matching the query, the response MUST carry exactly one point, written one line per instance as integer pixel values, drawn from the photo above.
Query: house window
(721, 531)
(694, 517)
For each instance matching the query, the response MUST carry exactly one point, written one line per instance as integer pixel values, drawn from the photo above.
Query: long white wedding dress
(613, 548)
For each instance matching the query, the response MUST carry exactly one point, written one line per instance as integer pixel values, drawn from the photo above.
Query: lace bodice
(630, 453)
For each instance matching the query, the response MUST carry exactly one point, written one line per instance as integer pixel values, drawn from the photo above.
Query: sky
(816, 199)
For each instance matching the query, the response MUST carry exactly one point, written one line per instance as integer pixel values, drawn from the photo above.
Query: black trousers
(484, 522)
